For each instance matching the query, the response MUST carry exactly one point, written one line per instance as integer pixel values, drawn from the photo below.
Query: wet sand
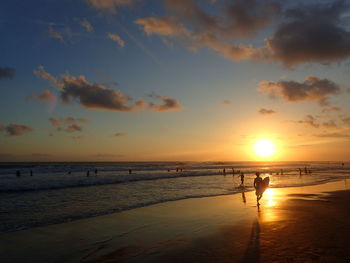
(302, 224)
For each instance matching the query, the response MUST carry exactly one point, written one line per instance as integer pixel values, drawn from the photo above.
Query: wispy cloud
(87, 25)
(14, 129)
(263, 111)
(68, 124)
(116, 38)
(120, 134)
(169, 104)
(109, 5)
(47, 96)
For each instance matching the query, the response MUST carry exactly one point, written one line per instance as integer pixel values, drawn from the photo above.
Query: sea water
(60, 192)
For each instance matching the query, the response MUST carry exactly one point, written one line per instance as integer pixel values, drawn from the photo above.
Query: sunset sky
(174, 80)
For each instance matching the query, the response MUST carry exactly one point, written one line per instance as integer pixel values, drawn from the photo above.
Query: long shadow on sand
(252, 253)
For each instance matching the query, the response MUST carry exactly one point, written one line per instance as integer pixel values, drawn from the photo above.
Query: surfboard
(264, 184)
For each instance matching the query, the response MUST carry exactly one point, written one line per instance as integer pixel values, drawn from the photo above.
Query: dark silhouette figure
(299, 171)
(258, 185)
(69, 172)
(281, 171)
(18, 173)
(168, 170)
(224, 172)
(342, 164)
(305, 170)
(243, 197)
(233, 172)
(87, 173)
(242, 178)
(96, 171)
(31, 173)
(130, 171)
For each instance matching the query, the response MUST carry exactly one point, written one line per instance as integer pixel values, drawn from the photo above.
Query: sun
(264, 148)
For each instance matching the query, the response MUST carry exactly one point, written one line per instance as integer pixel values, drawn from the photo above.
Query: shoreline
(164, 230)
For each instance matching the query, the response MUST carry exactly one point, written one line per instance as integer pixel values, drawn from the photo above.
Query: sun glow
(264, 148)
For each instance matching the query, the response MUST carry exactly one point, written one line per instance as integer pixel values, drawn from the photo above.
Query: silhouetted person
(242, 178)
(299, 171)
(177, 169)
(87, 173)
(18, 173)
(168, 170)
(258, 185)
(31, 173)
(130, 171)
(281, 171)
(233, 172)
(224, 172)
(342, 164)
(69, 172)
(96, 171)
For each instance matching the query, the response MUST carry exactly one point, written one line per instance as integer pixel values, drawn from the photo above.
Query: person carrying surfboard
(260, 186)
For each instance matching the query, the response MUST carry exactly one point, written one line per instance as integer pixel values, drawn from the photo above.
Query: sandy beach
(300, 224)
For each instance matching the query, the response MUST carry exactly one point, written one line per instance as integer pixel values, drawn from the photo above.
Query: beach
(296, 224)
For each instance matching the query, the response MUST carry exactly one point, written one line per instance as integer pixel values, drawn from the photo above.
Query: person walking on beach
(224, 172)
(130, 171)
(31, 173)
(88, 173)
(18, 173)
(242, 179)
(96, 171)
(258, 185)
(233, 171)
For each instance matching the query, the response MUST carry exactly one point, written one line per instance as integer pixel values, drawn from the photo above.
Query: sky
(174, 80)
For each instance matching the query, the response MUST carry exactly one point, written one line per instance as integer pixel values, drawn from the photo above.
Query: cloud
(109, 5)
(331, 109)
(116, 38)
(87, 25)
(333, 135)
(329, 124)
(263, 111)
(7, 73)
(168, 104)
(41, 73)
(164, 26)
(46, 96)
(120, 134)
(346, 121)
(312, 33)
(55, 34)
(312, 89)
(311, 121)
(68, 124)
(99, 96)
(96, 95)
(226, 102)
(13, 129)
(74, 128)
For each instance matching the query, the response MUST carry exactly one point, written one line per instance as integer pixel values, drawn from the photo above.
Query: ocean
(61, 192)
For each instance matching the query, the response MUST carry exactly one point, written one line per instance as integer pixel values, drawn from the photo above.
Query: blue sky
(194, 67)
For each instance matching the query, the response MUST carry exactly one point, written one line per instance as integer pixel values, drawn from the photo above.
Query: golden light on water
(264, 148)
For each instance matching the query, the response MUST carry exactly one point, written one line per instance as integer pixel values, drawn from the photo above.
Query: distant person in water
(18, 173)
(96, 171)
(31, 173)
(87, 173)
(305, 170)
(342, 164)
(233, 171)
(258, 185)
(224, 172)
(130, 171)
(242, 178)
(281, 171)
(69, 172)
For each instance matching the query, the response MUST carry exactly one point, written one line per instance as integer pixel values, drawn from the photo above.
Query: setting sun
(264, 148)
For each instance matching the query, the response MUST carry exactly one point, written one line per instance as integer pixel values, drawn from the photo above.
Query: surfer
(258, 185)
